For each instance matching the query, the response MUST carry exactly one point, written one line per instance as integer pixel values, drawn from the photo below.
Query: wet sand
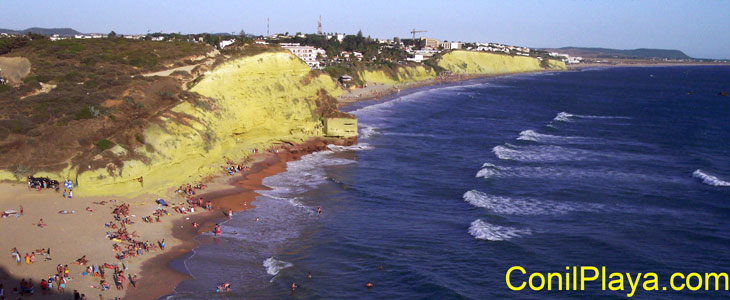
(159, 278)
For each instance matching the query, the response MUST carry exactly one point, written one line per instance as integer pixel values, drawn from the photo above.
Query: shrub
(104, 144)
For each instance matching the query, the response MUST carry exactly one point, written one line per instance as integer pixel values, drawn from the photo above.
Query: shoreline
(574, 67)
(158, 277)
(368, 93)
(159, 272)
(240, 192)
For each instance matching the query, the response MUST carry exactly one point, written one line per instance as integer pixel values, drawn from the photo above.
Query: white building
(450, 45)
(225, 43)
(416, 57)
(306, 53)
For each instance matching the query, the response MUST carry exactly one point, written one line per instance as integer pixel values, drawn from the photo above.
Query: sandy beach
(76, 227)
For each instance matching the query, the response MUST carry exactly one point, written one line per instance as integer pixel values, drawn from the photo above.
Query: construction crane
(414, 31)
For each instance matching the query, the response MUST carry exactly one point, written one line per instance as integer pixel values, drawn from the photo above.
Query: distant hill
(642, 53)
(43, 31)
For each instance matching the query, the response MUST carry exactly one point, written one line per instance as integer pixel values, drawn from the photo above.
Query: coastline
(240, 192)
(158, 277)
(375, 91)
(576, 67)
(239, 196)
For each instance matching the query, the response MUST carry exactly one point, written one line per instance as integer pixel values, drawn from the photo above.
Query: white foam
(563, 116)
(569, 172)
(274, 266)
(367, 132)
(709, 179)
(520, 206)
(486, 231)
(531, 135)
(547, 153)
(568, 117)
(302, 175)
(356, 147)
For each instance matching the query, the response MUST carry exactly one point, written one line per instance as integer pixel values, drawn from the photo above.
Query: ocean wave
(274, 266)
(568, 117)
(367, 132)
(709, 179)
(302, 175)
(531, 135)
(356, 147)
(549, 153)
(485, 231)
(521, 206)
(491, 172)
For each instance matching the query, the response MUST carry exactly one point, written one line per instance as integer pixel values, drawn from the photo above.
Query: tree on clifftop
(112, 34)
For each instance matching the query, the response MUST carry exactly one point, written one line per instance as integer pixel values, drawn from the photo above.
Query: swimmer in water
(319, 210)
(257, 219)
(230, 213)
(309, 275)
(369, 284)
(293, 286)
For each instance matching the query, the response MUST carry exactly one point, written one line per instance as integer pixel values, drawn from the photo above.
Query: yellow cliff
(250, 103)
(469, 62)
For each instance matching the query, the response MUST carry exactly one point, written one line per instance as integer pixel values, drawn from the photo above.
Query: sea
(452, 185)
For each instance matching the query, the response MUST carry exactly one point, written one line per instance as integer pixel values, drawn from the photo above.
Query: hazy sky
(701, 28)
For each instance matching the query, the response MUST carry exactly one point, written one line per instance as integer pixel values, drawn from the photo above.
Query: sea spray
(709, 179)
(274, 266)
(521, 206)
(485, 231)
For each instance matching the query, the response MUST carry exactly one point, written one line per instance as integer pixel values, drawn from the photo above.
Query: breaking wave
(274, 266)
(485, 231)
(568, 117)
(531, 135)
(492, 171)
(548, 153)
(367, 132)
(356, 147)
(709, 179)
(520, 206)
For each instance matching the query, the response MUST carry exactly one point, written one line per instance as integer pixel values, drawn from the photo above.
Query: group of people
(189, 190)
(40, 183)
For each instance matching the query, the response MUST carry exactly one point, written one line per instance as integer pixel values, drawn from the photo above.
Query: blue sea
(451, 185)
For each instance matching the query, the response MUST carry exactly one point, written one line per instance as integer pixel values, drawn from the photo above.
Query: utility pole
(267, 27)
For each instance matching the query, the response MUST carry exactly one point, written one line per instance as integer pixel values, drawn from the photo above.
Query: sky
(700, 28)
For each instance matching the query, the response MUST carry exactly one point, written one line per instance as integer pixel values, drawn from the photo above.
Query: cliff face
(249, 103)
(467, 62)
(404, 75)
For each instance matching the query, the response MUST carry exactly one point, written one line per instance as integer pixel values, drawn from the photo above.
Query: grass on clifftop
(98, 96)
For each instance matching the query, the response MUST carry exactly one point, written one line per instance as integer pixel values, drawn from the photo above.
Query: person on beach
(27, 259)
(162, 245)
(77, 296)
(133, 280)
(64, 193)
(62, 285)
(230, 213)
(14, 252)
(70, 194)
(41, 224)
(309, 275)
(21, 210)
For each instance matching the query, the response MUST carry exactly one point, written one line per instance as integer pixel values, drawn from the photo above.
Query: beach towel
(162, 202)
